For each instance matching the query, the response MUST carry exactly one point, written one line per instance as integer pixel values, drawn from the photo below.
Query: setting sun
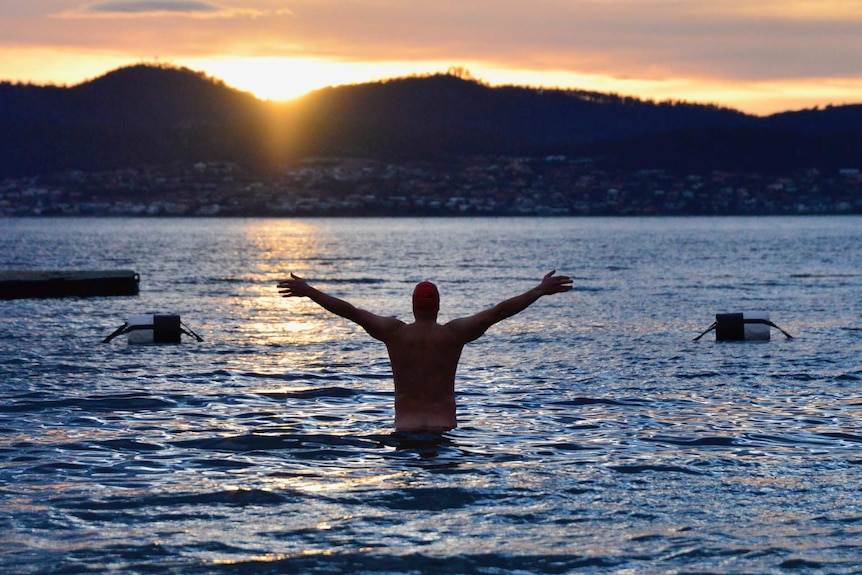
(286, 78)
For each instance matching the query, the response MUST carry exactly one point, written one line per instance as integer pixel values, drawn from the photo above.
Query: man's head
(426, 301)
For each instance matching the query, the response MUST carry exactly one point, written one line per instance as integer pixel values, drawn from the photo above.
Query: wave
(599, 401)
(114, 402)
(644, 468)
(264, 442)
(315, 393)
(239, 497)
(696, 442)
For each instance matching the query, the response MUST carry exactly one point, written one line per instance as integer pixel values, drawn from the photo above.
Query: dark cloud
(144, 6)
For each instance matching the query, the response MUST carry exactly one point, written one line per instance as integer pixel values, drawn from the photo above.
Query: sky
(758, 56)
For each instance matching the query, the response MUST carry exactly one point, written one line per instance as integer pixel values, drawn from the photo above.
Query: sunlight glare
(281, 79)
(341, 480)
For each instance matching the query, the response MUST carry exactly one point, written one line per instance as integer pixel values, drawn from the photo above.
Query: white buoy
(146, 328)
(153, 328)
(756, 325)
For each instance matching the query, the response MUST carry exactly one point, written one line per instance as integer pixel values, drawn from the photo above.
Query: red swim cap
(426, 298)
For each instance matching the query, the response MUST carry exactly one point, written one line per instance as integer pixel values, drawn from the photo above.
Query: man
(424, 354)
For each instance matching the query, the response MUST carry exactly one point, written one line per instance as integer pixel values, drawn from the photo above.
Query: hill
(445, 116)
(134, 115)
(150, 115)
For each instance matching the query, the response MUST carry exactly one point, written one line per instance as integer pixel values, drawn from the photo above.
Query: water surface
(595, 435)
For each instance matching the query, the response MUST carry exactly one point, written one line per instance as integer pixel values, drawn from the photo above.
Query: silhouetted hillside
(153, 115)
(829, 120)
(443, 115)
(136, 96)
(132, 116)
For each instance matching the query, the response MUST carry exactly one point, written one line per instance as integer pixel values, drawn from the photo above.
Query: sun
(277, 79)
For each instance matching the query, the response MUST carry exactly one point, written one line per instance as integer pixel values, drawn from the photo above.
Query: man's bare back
(424, 355)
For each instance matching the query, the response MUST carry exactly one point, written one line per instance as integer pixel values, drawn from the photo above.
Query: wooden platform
(72, 283)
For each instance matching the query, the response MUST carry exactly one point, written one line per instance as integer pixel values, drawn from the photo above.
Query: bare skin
(424, 354)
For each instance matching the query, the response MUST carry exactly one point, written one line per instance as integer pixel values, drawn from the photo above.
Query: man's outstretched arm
(474, 326)
(378, 327)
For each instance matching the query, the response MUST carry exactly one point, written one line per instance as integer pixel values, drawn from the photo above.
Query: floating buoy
(150, 328)
(742, 326)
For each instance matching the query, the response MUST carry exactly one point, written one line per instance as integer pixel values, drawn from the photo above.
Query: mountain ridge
(144, 114)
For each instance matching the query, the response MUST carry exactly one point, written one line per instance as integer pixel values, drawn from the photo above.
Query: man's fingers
(564, 283)
(292, 287)
(289, 282)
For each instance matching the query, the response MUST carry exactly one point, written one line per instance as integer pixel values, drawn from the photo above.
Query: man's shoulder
(378, 326)
(471, 327)
(428, 329)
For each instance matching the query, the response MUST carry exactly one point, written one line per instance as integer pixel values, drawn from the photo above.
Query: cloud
(161, 8)
(148, 6)
(644, 39)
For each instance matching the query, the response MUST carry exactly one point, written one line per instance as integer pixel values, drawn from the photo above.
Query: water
(595, 437)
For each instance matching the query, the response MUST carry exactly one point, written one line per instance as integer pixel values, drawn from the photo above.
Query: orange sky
(760, 56)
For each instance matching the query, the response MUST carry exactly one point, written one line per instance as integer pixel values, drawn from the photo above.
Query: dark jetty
(53, 284)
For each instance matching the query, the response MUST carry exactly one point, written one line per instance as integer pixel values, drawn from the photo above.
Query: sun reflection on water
(342, 480)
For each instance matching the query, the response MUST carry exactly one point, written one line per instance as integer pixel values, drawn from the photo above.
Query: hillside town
(480, 186)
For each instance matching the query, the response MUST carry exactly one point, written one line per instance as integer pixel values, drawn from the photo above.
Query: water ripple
(594, 435)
